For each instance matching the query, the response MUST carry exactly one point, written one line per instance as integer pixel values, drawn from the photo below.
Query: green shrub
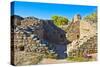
(78, 59)
(60, 20)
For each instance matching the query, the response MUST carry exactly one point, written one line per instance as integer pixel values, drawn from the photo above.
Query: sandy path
(52, 61)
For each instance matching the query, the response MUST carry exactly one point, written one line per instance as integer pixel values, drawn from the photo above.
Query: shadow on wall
(56, 37)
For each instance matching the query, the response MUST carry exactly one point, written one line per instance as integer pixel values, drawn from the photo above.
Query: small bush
(78, 59)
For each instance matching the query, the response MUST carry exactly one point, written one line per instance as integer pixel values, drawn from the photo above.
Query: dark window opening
(61, 36)
(77, 36)
(21, 48)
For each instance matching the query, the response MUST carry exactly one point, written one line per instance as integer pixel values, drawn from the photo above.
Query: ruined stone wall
(74, 28)
(37, 35)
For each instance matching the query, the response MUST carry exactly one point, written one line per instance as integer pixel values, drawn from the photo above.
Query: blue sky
(46, 10)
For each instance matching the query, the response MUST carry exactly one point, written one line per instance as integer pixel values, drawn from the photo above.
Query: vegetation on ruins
(60, 20)
(92, 17)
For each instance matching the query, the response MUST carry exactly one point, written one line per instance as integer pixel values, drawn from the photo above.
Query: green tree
(92, 17)
(60, 20)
